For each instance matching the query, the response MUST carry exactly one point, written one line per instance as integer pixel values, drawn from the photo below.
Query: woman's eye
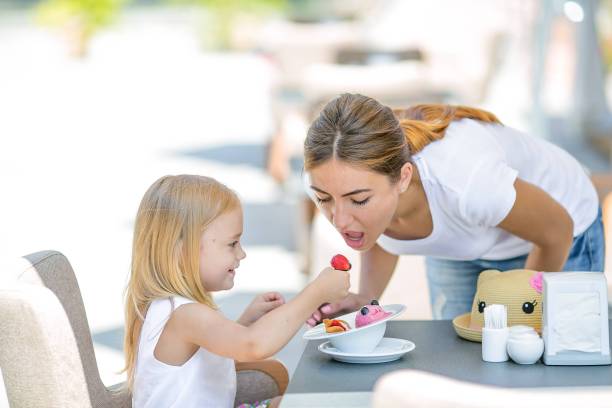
(322, 200)
(362, 202)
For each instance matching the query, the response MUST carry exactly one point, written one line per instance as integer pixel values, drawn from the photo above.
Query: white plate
(318, 332)
(389, 349)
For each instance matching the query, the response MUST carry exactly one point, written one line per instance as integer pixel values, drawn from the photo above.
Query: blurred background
(99, 98)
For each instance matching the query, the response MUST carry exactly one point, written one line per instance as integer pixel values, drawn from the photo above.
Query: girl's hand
(332, 284)
(349, 304)
(259, 306)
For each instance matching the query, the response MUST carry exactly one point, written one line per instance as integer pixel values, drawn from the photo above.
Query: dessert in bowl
(364, 335)
(336, 325)
(370, 313)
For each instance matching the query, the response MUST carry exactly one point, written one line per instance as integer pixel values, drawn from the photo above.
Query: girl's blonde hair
(172, 215)
(360, 130)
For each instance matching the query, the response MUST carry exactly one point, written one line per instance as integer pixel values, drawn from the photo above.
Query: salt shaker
(495, 334)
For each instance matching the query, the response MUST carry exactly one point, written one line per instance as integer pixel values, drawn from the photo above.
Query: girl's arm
(377, 267)
(538, 218)
(197, 324)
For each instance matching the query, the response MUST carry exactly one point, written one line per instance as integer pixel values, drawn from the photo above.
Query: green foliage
(90, 14)
(224, 14)
(238, 6)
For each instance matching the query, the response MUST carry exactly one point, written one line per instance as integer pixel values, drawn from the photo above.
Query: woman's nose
(340, 217)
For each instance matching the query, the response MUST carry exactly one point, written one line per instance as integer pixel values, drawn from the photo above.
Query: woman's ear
(405, 177)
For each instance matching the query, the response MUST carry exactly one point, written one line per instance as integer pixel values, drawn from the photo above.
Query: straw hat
(520, 290)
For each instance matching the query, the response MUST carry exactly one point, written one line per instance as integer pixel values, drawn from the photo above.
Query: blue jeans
(452, 284)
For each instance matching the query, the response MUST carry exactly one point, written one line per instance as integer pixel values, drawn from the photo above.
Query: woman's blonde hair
(360, 130)
(172, 215)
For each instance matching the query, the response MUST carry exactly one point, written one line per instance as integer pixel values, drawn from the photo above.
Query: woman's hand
(328, 310)
(259, 306)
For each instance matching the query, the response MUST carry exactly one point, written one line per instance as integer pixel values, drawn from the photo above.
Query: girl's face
(360, 203)
(220, 251)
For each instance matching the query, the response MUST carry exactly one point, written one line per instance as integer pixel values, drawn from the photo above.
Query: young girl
(180, 349)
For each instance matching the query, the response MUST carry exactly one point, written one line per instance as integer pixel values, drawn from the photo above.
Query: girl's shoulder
(163, 309)
(175, 314)
(167, 305)
(188, 311)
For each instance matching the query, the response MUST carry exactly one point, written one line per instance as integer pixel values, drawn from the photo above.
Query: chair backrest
(46, 351)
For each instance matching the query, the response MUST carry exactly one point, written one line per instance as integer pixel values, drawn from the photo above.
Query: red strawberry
(340, 262)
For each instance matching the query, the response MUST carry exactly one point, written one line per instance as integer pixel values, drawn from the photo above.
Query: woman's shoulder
(472, 135)
(450, 161)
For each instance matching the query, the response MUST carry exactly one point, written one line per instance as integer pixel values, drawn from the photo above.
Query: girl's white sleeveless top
(205, 380)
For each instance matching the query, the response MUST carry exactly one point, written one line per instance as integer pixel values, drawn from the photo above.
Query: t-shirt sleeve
(490, 194)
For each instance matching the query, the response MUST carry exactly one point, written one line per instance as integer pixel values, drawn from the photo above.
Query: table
(320, 381)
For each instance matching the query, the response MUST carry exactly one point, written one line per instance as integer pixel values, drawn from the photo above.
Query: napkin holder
(575, 318)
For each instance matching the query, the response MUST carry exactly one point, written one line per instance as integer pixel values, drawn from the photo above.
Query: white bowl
(358, 339)
(524, 336)
(521, 329)
(525, 350)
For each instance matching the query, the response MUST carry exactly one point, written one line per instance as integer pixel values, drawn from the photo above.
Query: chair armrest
(120, 396)
(273, 368)
(259, 380)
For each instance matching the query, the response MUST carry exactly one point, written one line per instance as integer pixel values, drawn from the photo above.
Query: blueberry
(375, 302)
(364, 310)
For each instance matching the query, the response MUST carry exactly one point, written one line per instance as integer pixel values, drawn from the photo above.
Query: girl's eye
(362, 202)
(233, 244)
(322, 200)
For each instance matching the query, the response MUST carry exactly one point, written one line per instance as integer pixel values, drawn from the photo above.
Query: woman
(451, 183)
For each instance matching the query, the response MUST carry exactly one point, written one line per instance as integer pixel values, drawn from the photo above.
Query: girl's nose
(241, 253)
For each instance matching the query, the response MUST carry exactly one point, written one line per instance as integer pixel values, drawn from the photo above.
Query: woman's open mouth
(354, 239)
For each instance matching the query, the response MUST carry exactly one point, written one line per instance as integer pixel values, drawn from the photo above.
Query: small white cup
(494, 342)
(526, 350)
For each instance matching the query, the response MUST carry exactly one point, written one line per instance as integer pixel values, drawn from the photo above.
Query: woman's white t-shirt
(468, 177)
(205, 380)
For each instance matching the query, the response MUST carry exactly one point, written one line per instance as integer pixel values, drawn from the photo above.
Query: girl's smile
(221, 252)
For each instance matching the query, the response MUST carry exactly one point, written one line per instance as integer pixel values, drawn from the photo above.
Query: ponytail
(423, 124)
(361, 131)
